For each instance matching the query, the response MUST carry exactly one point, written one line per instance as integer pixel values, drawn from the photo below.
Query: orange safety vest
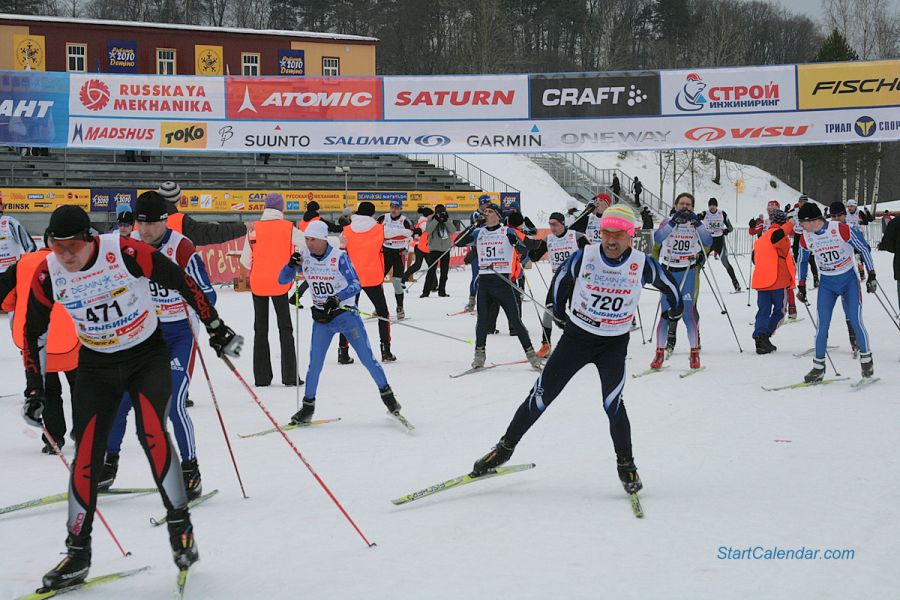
(271, 246)
(765, 267)
(62, 341)
(423, 239)
(517, 262)
(175, 222)
(302, 225)
(364, 250)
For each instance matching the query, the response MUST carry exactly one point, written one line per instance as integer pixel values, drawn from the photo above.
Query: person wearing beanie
(178, 333)
(398, 230)
(794, 216)
(199, 233)
(268, 245)
(681, 242)
(124, 220)
(471, 259)
(833, 245)
(589, 222)
(839, 213)
(311, 214)
(595, 296)
(717, 224)
(522, 226)
(123, 349)
(559, 245)
(440, 229)
(773, 274)
(758, 226)
(363, 240)
(646, 218)
(420, 243)
(857, 219)
(14, 240)
(497, 246)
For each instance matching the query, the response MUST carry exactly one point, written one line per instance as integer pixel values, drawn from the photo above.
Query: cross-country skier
(484, 201)
(833, 245)
(589, 222)
(104, 283)
(397, 232)
(798, 233)
(596, 294)
(856, 218)
(717, 224)
(334, 284)
(14, 240)
(838, 213)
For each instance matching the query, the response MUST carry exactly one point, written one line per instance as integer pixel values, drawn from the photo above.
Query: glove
(681, 217)
(223, 339)
(332, 304)
(296, 260)
(801, 292)
(752, 223)
(701, 259)
(33, 408)
(871, 284)
(695, 220)
(671, 317)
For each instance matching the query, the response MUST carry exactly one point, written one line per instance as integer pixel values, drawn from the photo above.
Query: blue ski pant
(351, 326)
(846, 287)
(771, 306)
(688, 281)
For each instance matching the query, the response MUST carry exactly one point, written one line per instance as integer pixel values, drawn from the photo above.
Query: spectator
(646, 218)
(891, 243)
(637, 187)
(616, 186)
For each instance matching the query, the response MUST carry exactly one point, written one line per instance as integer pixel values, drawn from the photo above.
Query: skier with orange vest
(199, 233)
(420, 248)
(269, 245)
(773, 275)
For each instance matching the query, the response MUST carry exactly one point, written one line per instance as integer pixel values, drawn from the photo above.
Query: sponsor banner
(307, 98)
(33, 108)
(106, 200)
(510, 200)
(181, 135)
(113, 133)
(594, 95)
(208, 60)
(460, 97)
(221, 264)
(864, 125)
(382, 197)
(121, 56)
(29, 52)
(43, 200)
(710, 91)
(292, 62)
(844, 85)
(160, 96)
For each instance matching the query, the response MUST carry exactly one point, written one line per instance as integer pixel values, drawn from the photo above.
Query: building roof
(310, 35)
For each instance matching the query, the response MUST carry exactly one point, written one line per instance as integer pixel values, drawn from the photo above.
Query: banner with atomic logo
(831, 103)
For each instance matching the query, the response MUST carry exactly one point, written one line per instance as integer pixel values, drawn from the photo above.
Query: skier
(334, 285)
(833, 244)
(484, 201)
(589, 222)
(857, 219)
(559, 245)
(124, 220)
(496, 245)
(104, 284)
(596, 294)
(798, 233)
(838, 213)
(397, 232)
(311, 214)
(773, 273)
(718, 226)
(14, 240)
(178, 332)
(522, 227)
(420, 243)
(680, 242)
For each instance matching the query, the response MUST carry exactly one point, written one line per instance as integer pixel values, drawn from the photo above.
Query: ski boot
(470, 305)
(108, 474)
(480, 356)
(737, 286)
(695, 358)
(792, 313)
(387, 396)
(628, 474)
(344, 355)
(865, 362)
(401, 314)
(191, 474)
(817, 373)
(73, 568)
(767, 340)
(443, 294)
(658, 359)
(533, 359)
(761, 346)
(498, 455)
(386, 355)
(544, 351)
(671, 340)
(304, 415)
(181, 538)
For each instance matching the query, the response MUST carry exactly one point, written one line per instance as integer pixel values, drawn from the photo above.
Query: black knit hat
(558, 216)
(515, 219)
(809, 212)
(837, 209)
(366, 209)
(69, 222)
(312, 205)
(496, 209)
(150, 207)
(713, 202)
(779, 217)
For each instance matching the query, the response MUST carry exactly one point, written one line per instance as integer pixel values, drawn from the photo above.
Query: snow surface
(723, 462)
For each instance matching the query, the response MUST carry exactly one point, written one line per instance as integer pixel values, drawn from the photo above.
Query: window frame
(69, 57)
(338, 66)
(174, 60)
(244, 64)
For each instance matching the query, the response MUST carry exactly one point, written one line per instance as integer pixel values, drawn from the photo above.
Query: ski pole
(59, 453)
(374, 316)
(212, 394)
(736, 261)
(536, 311)
(890, 315)
(294, 448)
(436, 263)
(724, 310)
(537, 268)
(887, 300)
(510, 283)
(641, 323)
(297, 335)
(715, 297)
(749, 289)
(816, 325)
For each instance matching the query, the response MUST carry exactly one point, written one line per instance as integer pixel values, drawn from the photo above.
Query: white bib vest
(833, 255)
(714, 223)
(681, 247)
(605, 298)
(324, 276)
(394, 233)
(495, 253)
(559, 249)
(170, 306)
(592, 231)
(10, 252)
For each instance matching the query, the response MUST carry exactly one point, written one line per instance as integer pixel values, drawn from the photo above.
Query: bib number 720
(607, 302)
(101, 312)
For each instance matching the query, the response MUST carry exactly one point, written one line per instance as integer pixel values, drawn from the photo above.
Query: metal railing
(466, 171)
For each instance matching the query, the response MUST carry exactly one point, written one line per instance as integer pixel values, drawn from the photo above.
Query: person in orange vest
(773, 274)
(269, 245)
(420, 249)
(364, 240)
(200, 234)
(58, 349)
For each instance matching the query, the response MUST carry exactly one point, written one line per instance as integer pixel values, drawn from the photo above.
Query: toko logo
(94, 94)
(432, 140)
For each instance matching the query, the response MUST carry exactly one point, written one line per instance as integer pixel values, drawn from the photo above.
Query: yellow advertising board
(182, 135)
(848, 85)
(29, 52)
(208, 60)
(43, 199)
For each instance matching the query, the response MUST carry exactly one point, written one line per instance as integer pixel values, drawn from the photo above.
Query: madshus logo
(431, 140)
(593, 95)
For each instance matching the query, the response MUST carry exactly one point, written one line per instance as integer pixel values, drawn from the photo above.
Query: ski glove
(33, 408)
(871, 284)
(695, 220)
(296, 260)
(801, 293)
(681, 217)
(223, 339)
(332, 303)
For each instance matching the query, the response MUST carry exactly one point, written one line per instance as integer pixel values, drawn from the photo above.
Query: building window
(77, 57)
(165, 61)
(249, 64)
(331, 67)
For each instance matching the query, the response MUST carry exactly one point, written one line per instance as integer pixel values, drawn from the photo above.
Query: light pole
(346, 171)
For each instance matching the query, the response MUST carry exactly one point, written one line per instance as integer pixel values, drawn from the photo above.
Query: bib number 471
(101, 312)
